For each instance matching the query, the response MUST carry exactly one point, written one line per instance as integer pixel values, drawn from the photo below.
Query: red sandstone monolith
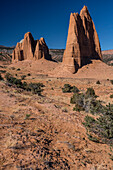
(82, 41)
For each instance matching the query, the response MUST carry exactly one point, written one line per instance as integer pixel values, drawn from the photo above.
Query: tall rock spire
(82, 41)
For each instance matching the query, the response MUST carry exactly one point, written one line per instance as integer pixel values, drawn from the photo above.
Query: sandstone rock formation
(30, 49)
(41, 50)
(82, 41)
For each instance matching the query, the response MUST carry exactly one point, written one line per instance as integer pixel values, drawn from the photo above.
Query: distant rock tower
(30, 49)
(82, 41)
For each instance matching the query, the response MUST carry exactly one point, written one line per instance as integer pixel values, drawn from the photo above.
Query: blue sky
(50, 19)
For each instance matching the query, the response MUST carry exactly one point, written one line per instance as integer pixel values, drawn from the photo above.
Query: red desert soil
(95, 70)
(53, 137)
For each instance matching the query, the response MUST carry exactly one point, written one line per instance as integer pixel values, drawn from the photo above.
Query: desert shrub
(111, 96)
(18, 69)
(1, 78)
(27, 116)
(111, 156)
(3, 71)
(89, 121)
(23, 77)
(87, 102)
(102, 126)
(18, 83)
(92, 105)
(40, 84)
(74, 89)
(64, 110)
(29, 74)
(7, 76)
(13, 80)
(77, 98)
(24, 86)
(78, 108)
(111, 81)
(93, 138)
(35, 88)
(90, 92)
(98, 82)
(68, 89)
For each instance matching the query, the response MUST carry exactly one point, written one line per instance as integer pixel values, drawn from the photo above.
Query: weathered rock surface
(41, 50)
(30, 49)
(82, 41)
(28, 46)
(18, 52)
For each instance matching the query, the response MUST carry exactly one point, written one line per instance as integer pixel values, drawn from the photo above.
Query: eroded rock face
(30, 49)
(18, 53)
(41, 50)
(28, 46)
(82, 41)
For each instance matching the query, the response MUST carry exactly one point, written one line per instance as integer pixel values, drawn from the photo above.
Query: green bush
(1, 78)
(68, 89)
(92, 105)
(77, 98)
(13, 80)
(64, 110)
(111, 81)
(89, 121)
(74, 89)
(78, 108)
(111, 96)
(86, 102)
(27, 116)
(98, 82)
(93, 138)
(90, 92)
(7, 76)
(102, 126)
(3, 71)
(18, 69)
(35, 88)
(111, 156)
(23, 77)
(24, 85)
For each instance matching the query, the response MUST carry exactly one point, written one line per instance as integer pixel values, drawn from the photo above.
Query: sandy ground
(53, 137)
(96, 70)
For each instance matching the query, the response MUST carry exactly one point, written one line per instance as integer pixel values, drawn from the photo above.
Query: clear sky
(50, 19)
